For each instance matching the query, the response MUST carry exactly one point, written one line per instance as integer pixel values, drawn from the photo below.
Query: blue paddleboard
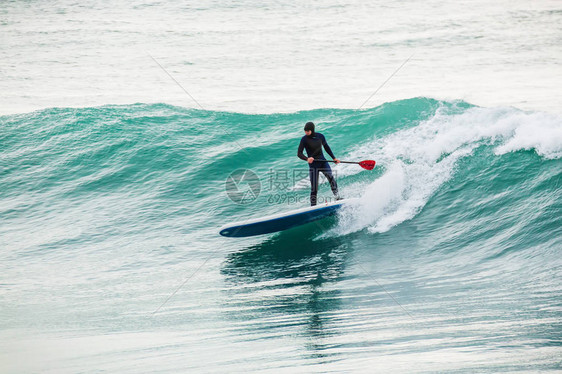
(282, 221)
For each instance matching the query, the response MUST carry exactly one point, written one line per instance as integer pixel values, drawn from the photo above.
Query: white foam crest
(539, 131)
(420, 159)
(381, 197)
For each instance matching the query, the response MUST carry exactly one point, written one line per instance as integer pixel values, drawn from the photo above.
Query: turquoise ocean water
(113, 189)
(451, 262)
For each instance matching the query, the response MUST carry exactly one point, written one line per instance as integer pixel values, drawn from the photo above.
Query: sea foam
(420, 159)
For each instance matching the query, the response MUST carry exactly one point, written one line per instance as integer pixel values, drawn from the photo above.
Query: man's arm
(301, 148)
(327, 147)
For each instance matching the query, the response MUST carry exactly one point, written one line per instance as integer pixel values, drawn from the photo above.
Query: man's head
(309, 128)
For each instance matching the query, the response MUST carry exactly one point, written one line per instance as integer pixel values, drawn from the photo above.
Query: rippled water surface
(113, 188)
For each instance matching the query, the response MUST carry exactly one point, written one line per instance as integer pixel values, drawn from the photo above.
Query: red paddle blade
(367, 164)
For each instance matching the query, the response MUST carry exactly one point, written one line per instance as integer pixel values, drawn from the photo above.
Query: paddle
(365, 164)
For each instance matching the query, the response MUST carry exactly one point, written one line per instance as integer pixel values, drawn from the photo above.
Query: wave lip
(419, 160)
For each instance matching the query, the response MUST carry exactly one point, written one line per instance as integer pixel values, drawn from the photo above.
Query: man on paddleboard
(313, 142)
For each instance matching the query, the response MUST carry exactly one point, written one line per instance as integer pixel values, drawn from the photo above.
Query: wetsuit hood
(309, 127)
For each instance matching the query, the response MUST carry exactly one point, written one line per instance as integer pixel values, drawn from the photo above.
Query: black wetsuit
(313, 145)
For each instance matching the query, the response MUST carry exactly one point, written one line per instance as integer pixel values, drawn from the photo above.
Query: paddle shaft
(343, 162)
(365, 164)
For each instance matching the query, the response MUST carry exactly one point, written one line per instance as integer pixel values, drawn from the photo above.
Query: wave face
(449, 261)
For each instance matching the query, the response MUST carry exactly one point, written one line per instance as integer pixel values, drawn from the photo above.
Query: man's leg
(313, 172)
(327, 171)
